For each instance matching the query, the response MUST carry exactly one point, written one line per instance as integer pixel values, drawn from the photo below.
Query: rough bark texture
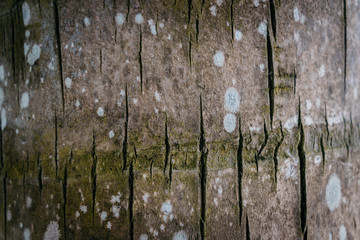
(179, 119)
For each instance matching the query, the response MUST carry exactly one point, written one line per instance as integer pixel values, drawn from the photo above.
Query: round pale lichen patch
(333, 192)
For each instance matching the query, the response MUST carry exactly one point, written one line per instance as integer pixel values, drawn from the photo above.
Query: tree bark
(174, 119)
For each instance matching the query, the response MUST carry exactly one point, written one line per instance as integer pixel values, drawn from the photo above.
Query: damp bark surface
(179, 119)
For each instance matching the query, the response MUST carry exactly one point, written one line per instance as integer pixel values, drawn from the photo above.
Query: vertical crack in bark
(271, 83)
(327, 126)
(65, 181)
(276, 154)
(131, 201)
(273, 17)
(189, 11)
(322, 151)
(202, 172)
(232, 20)
(56, 147)
(302, 159)
(189, 51)
(202, 6)
(197, 29)
(101, 61)
(345, 44)
(140, 59)
(125, 142)
(40, 8)
(128, 11)
(247, 228)
(17, 43)
(295, 76)
(263, 145)
(151, 166)
(346, 141)
(93, 177)
(240, 171)
(39, 166)
(5, 204)
(58, 42)
(167, 145)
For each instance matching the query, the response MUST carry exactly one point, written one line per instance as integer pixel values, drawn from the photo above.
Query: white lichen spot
(262, 29)
(34, 54)
(152, 27)
(100, 112)
(51, 66)
(290, 167)
(308, 104)
(103, 216)
(2, 73)
(162, 227)
(86, 21)
(291, 123)
(111, 134)
(321, 71)
(219, 59)
(181, 235)
(296, 36)
(166, 207)
(27, 33)
(144, 237)
(116, 211)
(139, 18)
(232, 100)
(145, 197)
(77, 103)
(77, 214)
(119, 19)
(262, 67)
(68, 82)
(24, 101)
(318, 102)
(157, 96)
(52, 231)
(330, 236)
(108, 225)
(256, 3)
(83, 208)
(116, 198)
(229, 122)
(213, 10)
(216, 201)
(8, 215)
(238, 35)
(161, 25)
(26, 13)
(333, 192)
(28, 202)
(317, 160)
(308, 120)
(342, 232)
(296, 14)
(27, 234)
